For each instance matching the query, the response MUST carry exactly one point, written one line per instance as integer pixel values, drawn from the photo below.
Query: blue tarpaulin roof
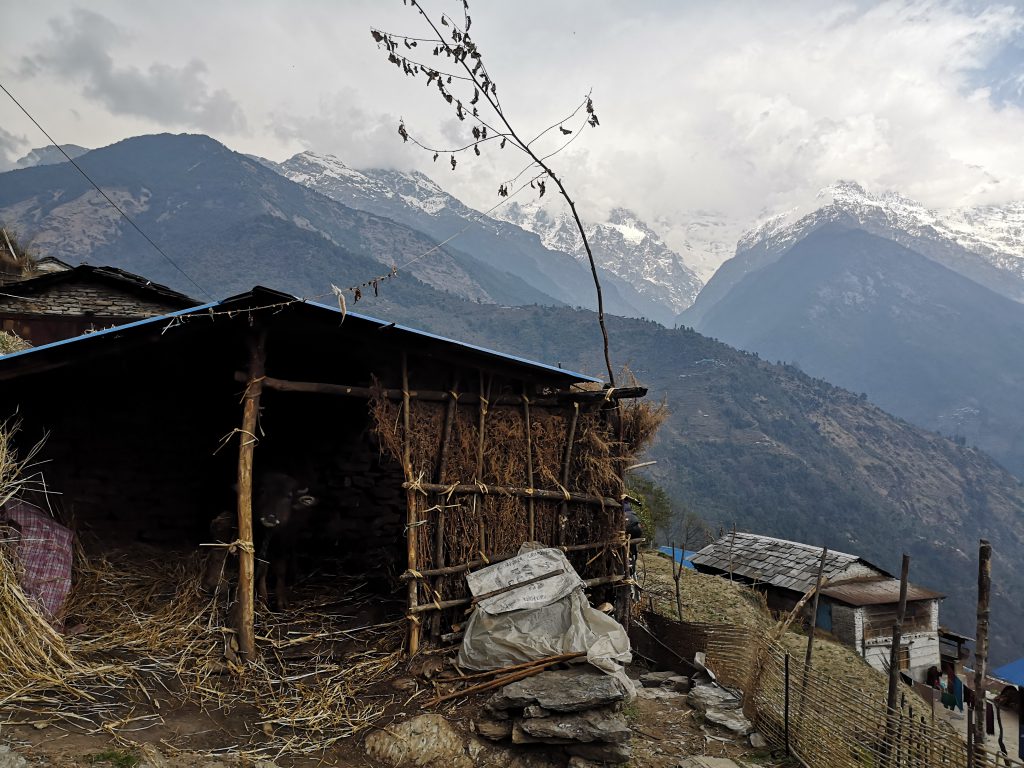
(681, 556)
(1011, 673)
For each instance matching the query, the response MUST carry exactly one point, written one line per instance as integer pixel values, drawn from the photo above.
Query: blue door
(825, 616)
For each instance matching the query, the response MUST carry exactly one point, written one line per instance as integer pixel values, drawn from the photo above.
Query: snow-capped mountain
(994, 232)
(641, 277)
(704, 238)
(623, 245)
(984, 244)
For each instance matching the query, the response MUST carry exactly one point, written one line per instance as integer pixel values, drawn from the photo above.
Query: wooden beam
(451, 569)
(460, 489)
(246, 448)
(559, 398)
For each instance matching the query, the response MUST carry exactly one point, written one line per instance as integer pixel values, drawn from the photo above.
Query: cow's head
(277, 496)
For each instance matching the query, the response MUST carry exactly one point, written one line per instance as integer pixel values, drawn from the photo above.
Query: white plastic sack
(546, 618)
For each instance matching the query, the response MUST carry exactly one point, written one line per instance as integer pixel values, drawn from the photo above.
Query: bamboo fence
(822, 723)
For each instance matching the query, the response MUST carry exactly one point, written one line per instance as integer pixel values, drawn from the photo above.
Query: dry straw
(152, 637)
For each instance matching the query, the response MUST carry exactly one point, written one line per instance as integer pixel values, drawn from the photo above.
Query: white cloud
(741, 107)
(78, 49)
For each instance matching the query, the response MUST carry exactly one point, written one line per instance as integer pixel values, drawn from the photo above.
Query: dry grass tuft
(11, 342)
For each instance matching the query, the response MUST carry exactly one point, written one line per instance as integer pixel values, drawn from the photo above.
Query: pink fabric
(45, 552)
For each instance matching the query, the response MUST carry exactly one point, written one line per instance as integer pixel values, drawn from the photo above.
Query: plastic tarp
(45, 552)
(547, 617)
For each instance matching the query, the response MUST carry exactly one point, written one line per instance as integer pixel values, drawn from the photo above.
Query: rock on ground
(704, 697)
(11, 759)
(426, 741)
(731, 719)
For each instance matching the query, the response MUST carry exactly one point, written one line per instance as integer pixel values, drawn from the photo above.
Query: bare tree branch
(460, 49)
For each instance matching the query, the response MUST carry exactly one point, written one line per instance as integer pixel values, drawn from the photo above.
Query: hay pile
(152, 636)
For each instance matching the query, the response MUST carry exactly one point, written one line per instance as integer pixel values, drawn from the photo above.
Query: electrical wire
(106, 197)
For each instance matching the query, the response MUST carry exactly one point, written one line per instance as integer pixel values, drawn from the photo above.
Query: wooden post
(732, 542)
(411, 517)
(440, 517)
(478, 502)
(677, 574)
(246, 448)
(566, 464)
(531, 511)
(981, 645)
(894, 654)
(786, 704)
(814, 610)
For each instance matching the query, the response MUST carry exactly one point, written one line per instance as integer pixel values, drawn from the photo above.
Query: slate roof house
(433, 456)
(857, 606)
(61, 301)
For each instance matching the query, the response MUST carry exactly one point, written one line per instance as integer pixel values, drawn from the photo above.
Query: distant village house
(59, 301)
(858, 605)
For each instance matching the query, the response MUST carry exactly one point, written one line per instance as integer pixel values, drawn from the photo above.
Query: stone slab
(568, 690)
(730, 719)
(601, 725)
(704, 696)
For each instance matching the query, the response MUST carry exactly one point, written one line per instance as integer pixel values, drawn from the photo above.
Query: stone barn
(61, 301)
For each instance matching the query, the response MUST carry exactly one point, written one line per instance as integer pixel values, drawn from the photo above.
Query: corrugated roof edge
(282, 295)
(463, 344)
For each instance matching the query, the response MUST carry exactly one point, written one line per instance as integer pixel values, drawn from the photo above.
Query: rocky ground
(667, 726)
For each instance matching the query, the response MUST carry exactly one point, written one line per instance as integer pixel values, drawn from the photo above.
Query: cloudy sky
(739, 108)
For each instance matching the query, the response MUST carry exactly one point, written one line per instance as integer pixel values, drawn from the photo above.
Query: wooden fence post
(411, 522)
(246, 447)
(981, 645)
(894, 656)
(814, 612)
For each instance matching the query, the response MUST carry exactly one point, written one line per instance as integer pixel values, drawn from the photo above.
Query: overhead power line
(106, 197)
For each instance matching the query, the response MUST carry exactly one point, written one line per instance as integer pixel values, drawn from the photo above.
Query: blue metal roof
(242, 299)
(682, 556)
(1011, 673)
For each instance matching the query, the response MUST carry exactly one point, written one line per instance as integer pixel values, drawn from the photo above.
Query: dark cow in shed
(281, 512)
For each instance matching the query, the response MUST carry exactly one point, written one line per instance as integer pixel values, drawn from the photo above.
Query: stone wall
(67, 310)
(847, 623)
(86, 298)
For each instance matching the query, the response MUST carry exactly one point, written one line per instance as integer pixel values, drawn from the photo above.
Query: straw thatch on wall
(490, 470)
